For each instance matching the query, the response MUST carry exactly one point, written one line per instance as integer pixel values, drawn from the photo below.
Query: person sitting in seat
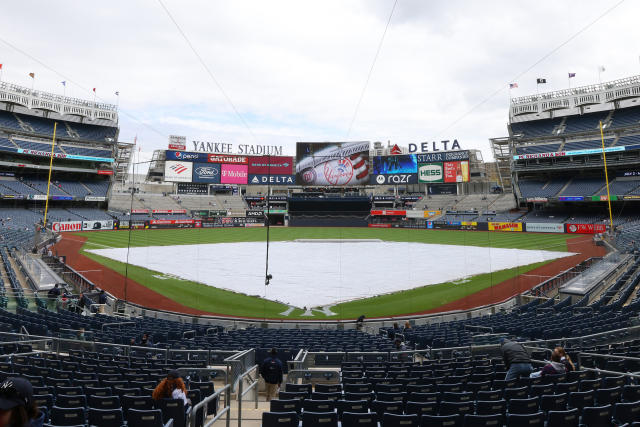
(172, 387)
(555, 367)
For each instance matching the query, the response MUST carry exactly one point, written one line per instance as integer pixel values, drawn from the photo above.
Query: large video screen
(392, 170)
(332, 163)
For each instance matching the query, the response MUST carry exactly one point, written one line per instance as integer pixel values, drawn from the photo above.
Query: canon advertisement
(333, 164)
(206, 172)
(59, 227)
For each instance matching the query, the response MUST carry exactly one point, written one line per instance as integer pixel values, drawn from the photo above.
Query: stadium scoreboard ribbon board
(332, 163)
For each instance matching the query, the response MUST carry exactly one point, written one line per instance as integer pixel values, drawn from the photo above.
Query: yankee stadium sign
(225, 148)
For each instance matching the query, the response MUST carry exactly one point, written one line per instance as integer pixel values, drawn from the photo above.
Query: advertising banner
(388, 212)
(403, 164)
(334, 164)
(272, 179)
(631, 197)
(178, 171)
(543, 227)
(226, 158)
(192, 188)
(270, 165)
(603, 198)
(586, 228)
(140, 211)
(570, 199)
(37, 197)
(234, 174)
(430, 172)
(505, 226)
(259, 213)
(94, 199)
(59, 227)
(186, 156)
(105, 172)
(63, 156)
(571, 153)
(379, 225)
(61, 197)
(436, 189)
(448, 156)
(537, 199)
(628, 174)
(206, 172)
(227, 222)
(395, 179)
(169, 211)
(97, 225)
(456, 171)
(429, 214)
(416, 214)
(177, 142)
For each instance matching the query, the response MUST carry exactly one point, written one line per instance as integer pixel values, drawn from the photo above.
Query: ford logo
(206, 171)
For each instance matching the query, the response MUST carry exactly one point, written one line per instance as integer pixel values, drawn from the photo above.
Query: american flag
(571, 75)
(513, 85)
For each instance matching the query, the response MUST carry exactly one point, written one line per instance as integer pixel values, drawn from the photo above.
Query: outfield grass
(207, 298)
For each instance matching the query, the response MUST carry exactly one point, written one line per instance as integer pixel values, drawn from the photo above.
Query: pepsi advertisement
(387, 165)
(206, 172)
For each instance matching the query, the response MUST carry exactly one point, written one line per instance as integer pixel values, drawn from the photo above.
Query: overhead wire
(373, 64)
(532, 66)
(76, 84)
(208, 71)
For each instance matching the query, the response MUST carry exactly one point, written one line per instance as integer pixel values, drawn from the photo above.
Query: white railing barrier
(204, 405)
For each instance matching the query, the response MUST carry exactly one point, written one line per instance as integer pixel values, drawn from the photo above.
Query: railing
(204, 405)
(238, 364)
(117, 324)
(253, 386)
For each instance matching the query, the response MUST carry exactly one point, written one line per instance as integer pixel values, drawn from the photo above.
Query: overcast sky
(295, 69)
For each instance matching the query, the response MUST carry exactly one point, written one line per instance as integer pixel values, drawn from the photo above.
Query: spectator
(17, 408)
(53, 295)
(566, 359)
(555, 367)
(172, 387)
(102, 297)
(407, 325)
(80, 334)
(146, 340)
(271, 370)
(516, 359)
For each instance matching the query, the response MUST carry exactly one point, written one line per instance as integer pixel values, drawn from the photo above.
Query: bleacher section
(583, 187)
(43, 126)
(534, 188)
(622, 118)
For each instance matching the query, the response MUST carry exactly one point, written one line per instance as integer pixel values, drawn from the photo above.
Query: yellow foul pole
(606, 177)
(46, 203)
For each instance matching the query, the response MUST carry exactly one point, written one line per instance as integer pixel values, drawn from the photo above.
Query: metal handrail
(204, 403)
(610, 356)
(117, 324)
(242, 393)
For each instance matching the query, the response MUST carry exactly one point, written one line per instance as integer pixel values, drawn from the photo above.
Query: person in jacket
(172, 387)
(272, 371)
(516, 359)
(556, 366)
(17, 408)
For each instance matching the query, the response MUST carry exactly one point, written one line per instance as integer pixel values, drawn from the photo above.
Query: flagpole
(606, 177)
(46, 203)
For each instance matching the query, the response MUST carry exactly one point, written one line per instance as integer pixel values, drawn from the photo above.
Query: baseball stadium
(319, 281)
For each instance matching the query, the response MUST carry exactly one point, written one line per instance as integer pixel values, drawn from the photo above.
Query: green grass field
(210, 299)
